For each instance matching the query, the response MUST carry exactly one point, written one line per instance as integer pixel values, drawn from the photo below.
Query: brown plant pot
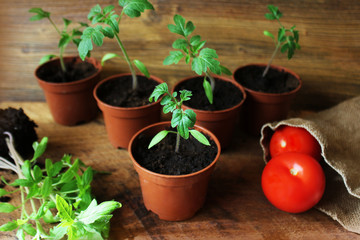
(261, 107)
(222, 122)
(173, 197)
(123, 122)
(70, 103)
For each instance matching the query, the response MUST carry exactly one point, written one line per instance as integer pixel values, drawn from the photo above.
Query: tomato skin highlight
(294, 139)
(293, 182)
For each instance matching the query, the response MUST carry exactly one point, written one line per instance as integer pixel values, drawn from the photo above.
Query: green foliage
(181, 120)
(287, 39)
(203, 60)
(66, 35)
(63, 187)
(95, 34)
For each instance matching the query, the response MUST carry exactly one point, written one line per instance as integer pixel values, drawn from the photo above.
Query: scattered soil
(21, 127)
(226, 95)
(162, 158)
(274, 82)
(118, 91)
(74, 71)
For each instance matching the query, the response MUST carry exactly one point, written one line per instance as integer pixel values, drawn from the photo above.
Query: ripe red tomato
(294, 139)
(293, 182)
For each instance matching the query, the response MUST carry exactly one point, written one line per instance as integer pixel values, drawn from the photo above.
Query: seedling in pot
(63, 187)
(182, 120)
(96, 33)
(287, 39)
(66, 35)
(203, 60)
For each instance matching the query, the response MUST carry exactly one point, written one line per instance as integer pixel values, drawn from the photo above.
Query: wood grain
(328, 62)
(235, 207)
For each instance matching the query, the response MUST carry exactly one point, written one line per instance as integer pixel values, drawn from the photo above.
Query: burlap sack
(338, 132)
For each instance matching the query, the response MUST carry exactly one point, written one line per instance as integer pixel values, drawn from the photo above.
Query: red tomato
(294, 139)
(293, 182)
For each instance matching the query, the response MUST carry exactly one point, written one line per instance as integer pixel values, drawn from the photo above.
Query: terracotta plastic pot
(261, 108)
(70, 103)
(222, 122)
(173, 197)
(122, 123)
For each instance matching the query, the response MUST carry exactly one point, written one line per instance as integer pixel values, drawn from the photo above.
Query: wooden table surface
(235, 207)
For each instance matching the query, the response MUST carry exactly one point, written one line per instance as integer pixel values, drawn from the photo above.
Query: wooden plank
(235, 206)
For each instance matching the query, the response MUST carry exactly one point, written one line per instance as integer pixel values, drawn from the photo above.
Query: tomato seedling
(294, 139)
(203, 60)
(293, 182)
(182, 120)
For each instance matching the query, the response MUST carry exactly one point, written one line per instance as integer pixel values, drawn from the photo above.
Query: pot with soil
(69, 94)
(125, 110)
(174, 160)
(268, 98)
(220, 117)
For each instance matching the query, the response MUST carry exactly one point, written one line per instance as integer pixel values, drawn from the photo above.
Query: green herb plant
(182, 120)
(62, 187)
(66, 35)
(203, 60)
(287, 39)
(96, 34)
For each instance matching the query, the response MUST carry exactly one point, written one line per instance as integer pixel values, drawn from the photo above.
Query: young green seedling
(66, 35)
(287, 39)
(182, 120)
(203, 60)
(63, 187)
(96, 34)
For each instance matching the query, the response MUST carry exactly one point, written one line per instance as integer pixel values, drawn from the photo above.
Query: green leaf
(208, 90)
(185, 95)
(108, 32)
(22, 182)
(67, 22)
(183, 120)
(29, 229)
(199, 136)
(134, 8)
(47, 187)
(9, 226)
(70, 173)
(205, 60)
(58, 232)
(37, 174)
(158, 92)
(225, 70)
(180, 44)
(64, 209)
(94, 11)
(90, 34)
(3, 192)
(189, 28)
(6, 207)
(46, 58)
(157, 138)
(109, 56)
(87, 176)
(174, 57)
(33, 191)
(20, 234)
(168, 103)
(26, 170)
(142, 68)
(40, 14)
(64, 40)
(269, 34)
(39, 148)
(94, 211)
(49, 167)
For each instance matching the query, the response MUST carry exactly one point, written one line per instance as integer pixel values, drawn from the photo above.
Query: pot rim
(277, 67)
(96, 64)
(119, 75)
(168, 123)
(236, 84)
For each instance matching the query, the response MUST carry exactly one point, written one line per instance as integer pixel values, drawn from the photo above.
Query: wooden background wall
(329, 62)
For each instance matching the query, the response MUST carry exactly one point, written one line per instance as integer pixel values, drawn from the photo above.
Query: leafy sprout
(95, 34)
(63, 187)
(182, 120)
(66, 35)
(203, 60)
(287, 39)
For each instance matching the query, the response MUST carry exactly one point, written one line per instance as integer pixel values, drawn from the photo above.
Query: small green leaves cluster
(66, 35)
(63, 187)
(182, 120)
(95, 34)
(203, 60)
(287, 39)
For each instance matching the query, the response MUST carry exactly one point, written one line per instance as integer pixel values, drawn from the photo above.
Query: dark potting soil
(162, 158)
(118, 91)
(274, 81)
(22, 129)
(225, 95)
(74, 71)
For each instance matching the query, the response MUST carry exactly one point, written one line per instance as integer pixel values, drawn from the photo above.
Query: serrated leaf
(29, 229)
(158, 92)
(6, 207)
(108, 32)
(194, 40)
(47, 187)
(33, 191)
(208, 91)
(94, 211)
(142, 68)
(9, 226)
(225, 70)
(70, 173)
(40, 14)
(185, 95)
(67, 22)
(22, 182)
(134, 8)
(94, 11)
(64, 209)
(180, 44)
(87, 176)
(58, 232)
(199, 136)
(174, 57)
(64, 40)
(189, 28)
